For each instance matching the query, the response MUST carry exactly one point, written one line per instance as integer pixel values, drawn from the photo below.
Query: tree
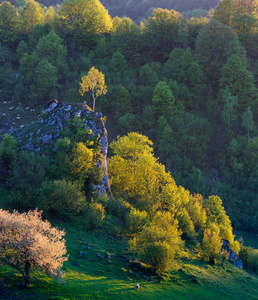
(211, 243)
(163, 99)
(247, 121)
(84, 18)
(135, 173)
(162, 33)
(125, 38)
(230, 102)
(46, 76)
(214, 45)
(30, 15)
(8, 22)
(157, 248)
(240, 81)
(50, 15)
(94, 83)
(27, 242)
(8, 156)
(62, 199)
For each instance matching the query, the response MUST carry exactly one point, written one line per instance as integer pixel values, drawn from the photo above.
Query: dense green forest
(179, 95)
(190, 85)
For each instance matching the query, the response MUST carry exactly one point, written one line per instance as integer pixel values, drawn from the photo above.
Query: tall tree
(125, 38)
(30, 15)
(84, 18)
(247, 121)
(230, 102)
(162, 33)
(240, 81)
(214, 45)
(8, 22)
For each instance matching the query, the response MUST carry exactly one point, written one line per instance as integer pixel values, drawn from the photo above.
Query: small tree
(211, 243)
(94, 83)
(247, 121)
(157, 248)
(27, 242)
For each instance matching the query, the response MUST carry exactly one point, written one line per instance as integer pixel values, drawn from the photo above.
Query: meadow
(88, 276)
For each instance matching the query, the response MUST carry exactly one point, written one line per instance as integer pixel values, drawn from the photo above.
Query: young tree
(27, 242)
(230, 102)
(163, 99)
(211, 243)
(94, 83)
(240, 81)
(247, 121)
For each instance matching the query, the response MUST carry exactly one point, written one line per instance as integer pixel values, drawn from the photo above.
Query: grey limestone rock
(54, 118)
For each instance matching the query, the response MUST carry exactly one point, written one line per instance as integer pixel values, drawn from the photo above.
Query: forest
(180, 105)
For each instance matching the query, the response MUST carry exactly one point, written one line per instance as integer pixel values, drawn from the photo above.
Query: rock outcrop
(233, 257)
(41, 135)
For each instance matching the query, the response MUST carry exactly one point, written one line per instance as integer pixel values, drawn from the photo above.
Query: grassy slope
(113, 279)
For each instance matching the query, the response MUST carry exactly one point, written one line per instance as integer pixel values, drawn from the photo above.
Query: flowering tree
(27, 242)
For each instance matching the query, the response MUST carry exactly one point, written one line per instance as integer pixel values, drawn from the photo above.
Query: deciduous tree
(27, 242)
(94, 83)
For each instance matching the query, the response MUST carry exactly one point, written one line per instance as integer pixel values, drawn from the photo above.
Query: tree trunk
(27, 274)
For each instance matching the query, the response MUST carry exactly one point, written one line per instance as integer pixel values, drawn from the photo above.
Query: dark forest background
(185, 75)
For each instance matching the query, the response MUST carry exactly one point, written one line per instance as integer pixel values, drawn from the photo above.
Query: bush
(62, 198)
(96, 214)
(211, 243)
(27, 242)
(157, 248)
(249, 257)
(136, 220)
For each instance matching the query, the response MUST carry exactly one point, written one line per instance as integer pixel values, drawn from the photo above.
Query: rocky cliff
(41, 135)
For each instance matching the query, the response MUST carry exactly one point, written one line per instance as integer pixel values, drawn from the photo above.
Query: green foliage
(163, 99)
(96, 214)
(239, 81)
(211, 243)
(62, 199)
(84, 18)
(214, 45)
(28, 174)
(247, 121)
(8, 22)
(249, 257)
(80, 161)
(8, 157)
(136, 221)
(31, 15)
(157, 248)
(161, 31)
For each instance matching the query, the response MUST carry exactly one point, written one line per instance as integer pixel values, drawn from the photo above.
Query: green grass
(89, 277)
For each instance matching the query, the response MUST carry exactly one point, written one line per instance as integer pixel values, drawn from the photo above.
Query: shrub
(27, 242)
(157, 248)
(249, 257)
(62, 198)
(96, 214)
(211, 243)
(136, 220)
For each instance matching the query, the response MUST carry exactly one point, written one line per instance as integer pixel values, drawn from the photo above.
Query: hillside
(88, 277)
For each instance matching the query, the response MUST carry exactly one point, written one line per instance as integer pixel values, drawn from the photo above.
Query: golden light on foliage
(94, 83)
(27, 242)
